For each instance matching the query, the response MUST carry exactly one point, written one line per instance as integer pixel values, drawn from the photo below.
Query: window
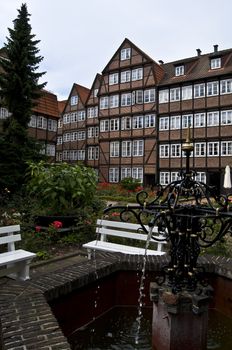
(138, 148)
(149, 96)
(65, 155)
(176, 151)
(137, 74)
(126, 99)
(213, 149)
(199, 90)
(126, 123)
(114, 124)
(66, 118)
(149, 121)
(199, 120)
(226, 117)
(126, 148)
(164, 178)
(114, 99)
(226, 148)
(114, 149)
(215, 63)
(113, 175)
(226, 86)
(163, 96)
(125, 54)
(125, 172)
(139, 96)
(164, 123)
(50, 150)
(174, 176)
(4, 113)
(73, 117)
(104, 125)
(164, 151)
(41, 122)
(95, 92)
(59, 156)
(113, 78)
(73, 155)
(179, 70)
(81, 116)
(212, 118)
(104, 102)
(137, 173)
(74, 100)
(125, 76)
(32, 122)
(81, 135)
(73, 136)
(175, 94)
(187, 121)
(138, 122)
(92, 112)
(66, 137)
(187, 92)
(60, 123)
(200, 149)
(81, 154)
(175, 122)
(59, 140)
(92, 132)
(93, 153)
(52, 125)
(201, 177)
(212, 88)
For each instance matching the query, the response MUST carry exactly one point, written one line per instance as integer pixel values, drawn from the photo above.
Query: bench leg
(89, 251)
(24, 270)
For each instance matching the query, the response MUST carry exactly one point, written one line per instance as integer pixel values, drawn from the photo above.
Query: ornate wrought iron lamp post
(190, 215)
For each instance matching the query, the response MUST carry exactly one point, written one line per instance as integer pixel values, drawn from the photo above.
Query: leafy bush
(61, 188)
(130, 184)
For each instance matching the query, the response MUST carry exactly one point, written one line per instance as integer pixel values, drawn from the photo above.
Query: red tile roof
(82, 91)
(47, 104)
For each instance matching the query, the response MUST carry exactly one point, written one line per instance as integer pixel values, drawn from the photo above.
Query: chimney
(215, 48)
(198, 52)
(161, 62)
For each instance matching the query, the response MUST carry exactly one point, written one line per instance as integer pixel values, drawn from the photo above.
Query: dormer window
(215, 63)
(125, 54)
(179, 70)
(74, 100)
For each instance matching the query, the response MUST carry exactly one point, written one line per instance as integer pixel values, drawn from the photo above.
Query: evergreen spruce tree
(19, 90)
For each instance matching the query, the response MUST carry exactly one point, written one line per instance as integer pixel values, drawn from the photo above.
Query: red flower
(38, 228)
(57, 224)
(115, 214)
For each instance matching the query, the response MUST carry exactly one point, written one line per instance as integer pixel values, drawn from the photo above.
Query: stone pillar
(180, 321)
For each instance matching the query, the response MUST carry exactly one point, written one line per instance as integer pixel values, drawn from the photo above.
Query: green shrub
(130, 184)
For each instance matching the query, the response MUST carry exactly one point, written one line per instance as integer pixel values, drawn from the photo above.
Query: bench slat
(9, 229)
(124, 234)
(10, 239)
(123, 225)
(119, 248)
(15, 256)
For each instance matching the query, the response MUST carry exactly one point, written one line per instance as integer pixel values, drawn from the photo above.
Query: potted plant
(60, 189)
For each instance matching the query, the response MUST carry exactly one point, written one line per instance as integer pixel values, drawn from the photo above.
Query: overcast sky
(78, 38)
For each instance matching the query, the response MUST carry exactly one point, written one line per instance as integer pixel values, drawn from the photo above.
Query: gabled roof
(98, 77)
(47, 104)
(127, 41)
(61, 106)
(198, 67)
(82, 91)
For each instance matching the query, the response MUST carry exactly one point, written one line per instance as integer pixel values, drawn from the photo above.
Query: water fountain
(191, 216)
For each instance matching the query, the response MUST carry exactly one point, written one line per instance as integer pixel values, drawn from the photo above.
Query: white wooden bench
(121, 229)
(14, 263)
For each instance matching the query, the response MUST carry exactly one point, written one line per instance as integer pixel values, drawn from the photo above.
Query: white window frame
(179, 70)
(199, 90)
(81, 135)
(212, 88)
(81, 115)
(81, 154)
(200, 149)
(114, 101)
(126, 99)
(226, 117)
(50, 150)
(114, 124)
(164, 151)
(114, 149)
(215, 63)
(187, 92)
(149, 121)
(149, 96)
(104, 102)
(137, 173)
(137, 74)
(226, 148)
(164, 178)
(126, 123)
(113, 175)
(199, 120)
(104, 125)
(126, 148)
(125, 76)
(66, 118)
(113, 78)
(59, 140)
(138, 148)
(125, 54)
(201, 177)
(137, 122)
(175, 94)
(175, 122)
(164, 96)
(164, 123)
(32, 123)
(226, 86)
(213, 149)
(125, 172)
(74, 100)
(187, 121)
(139, 96)
(175, 150)
(213, 118)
